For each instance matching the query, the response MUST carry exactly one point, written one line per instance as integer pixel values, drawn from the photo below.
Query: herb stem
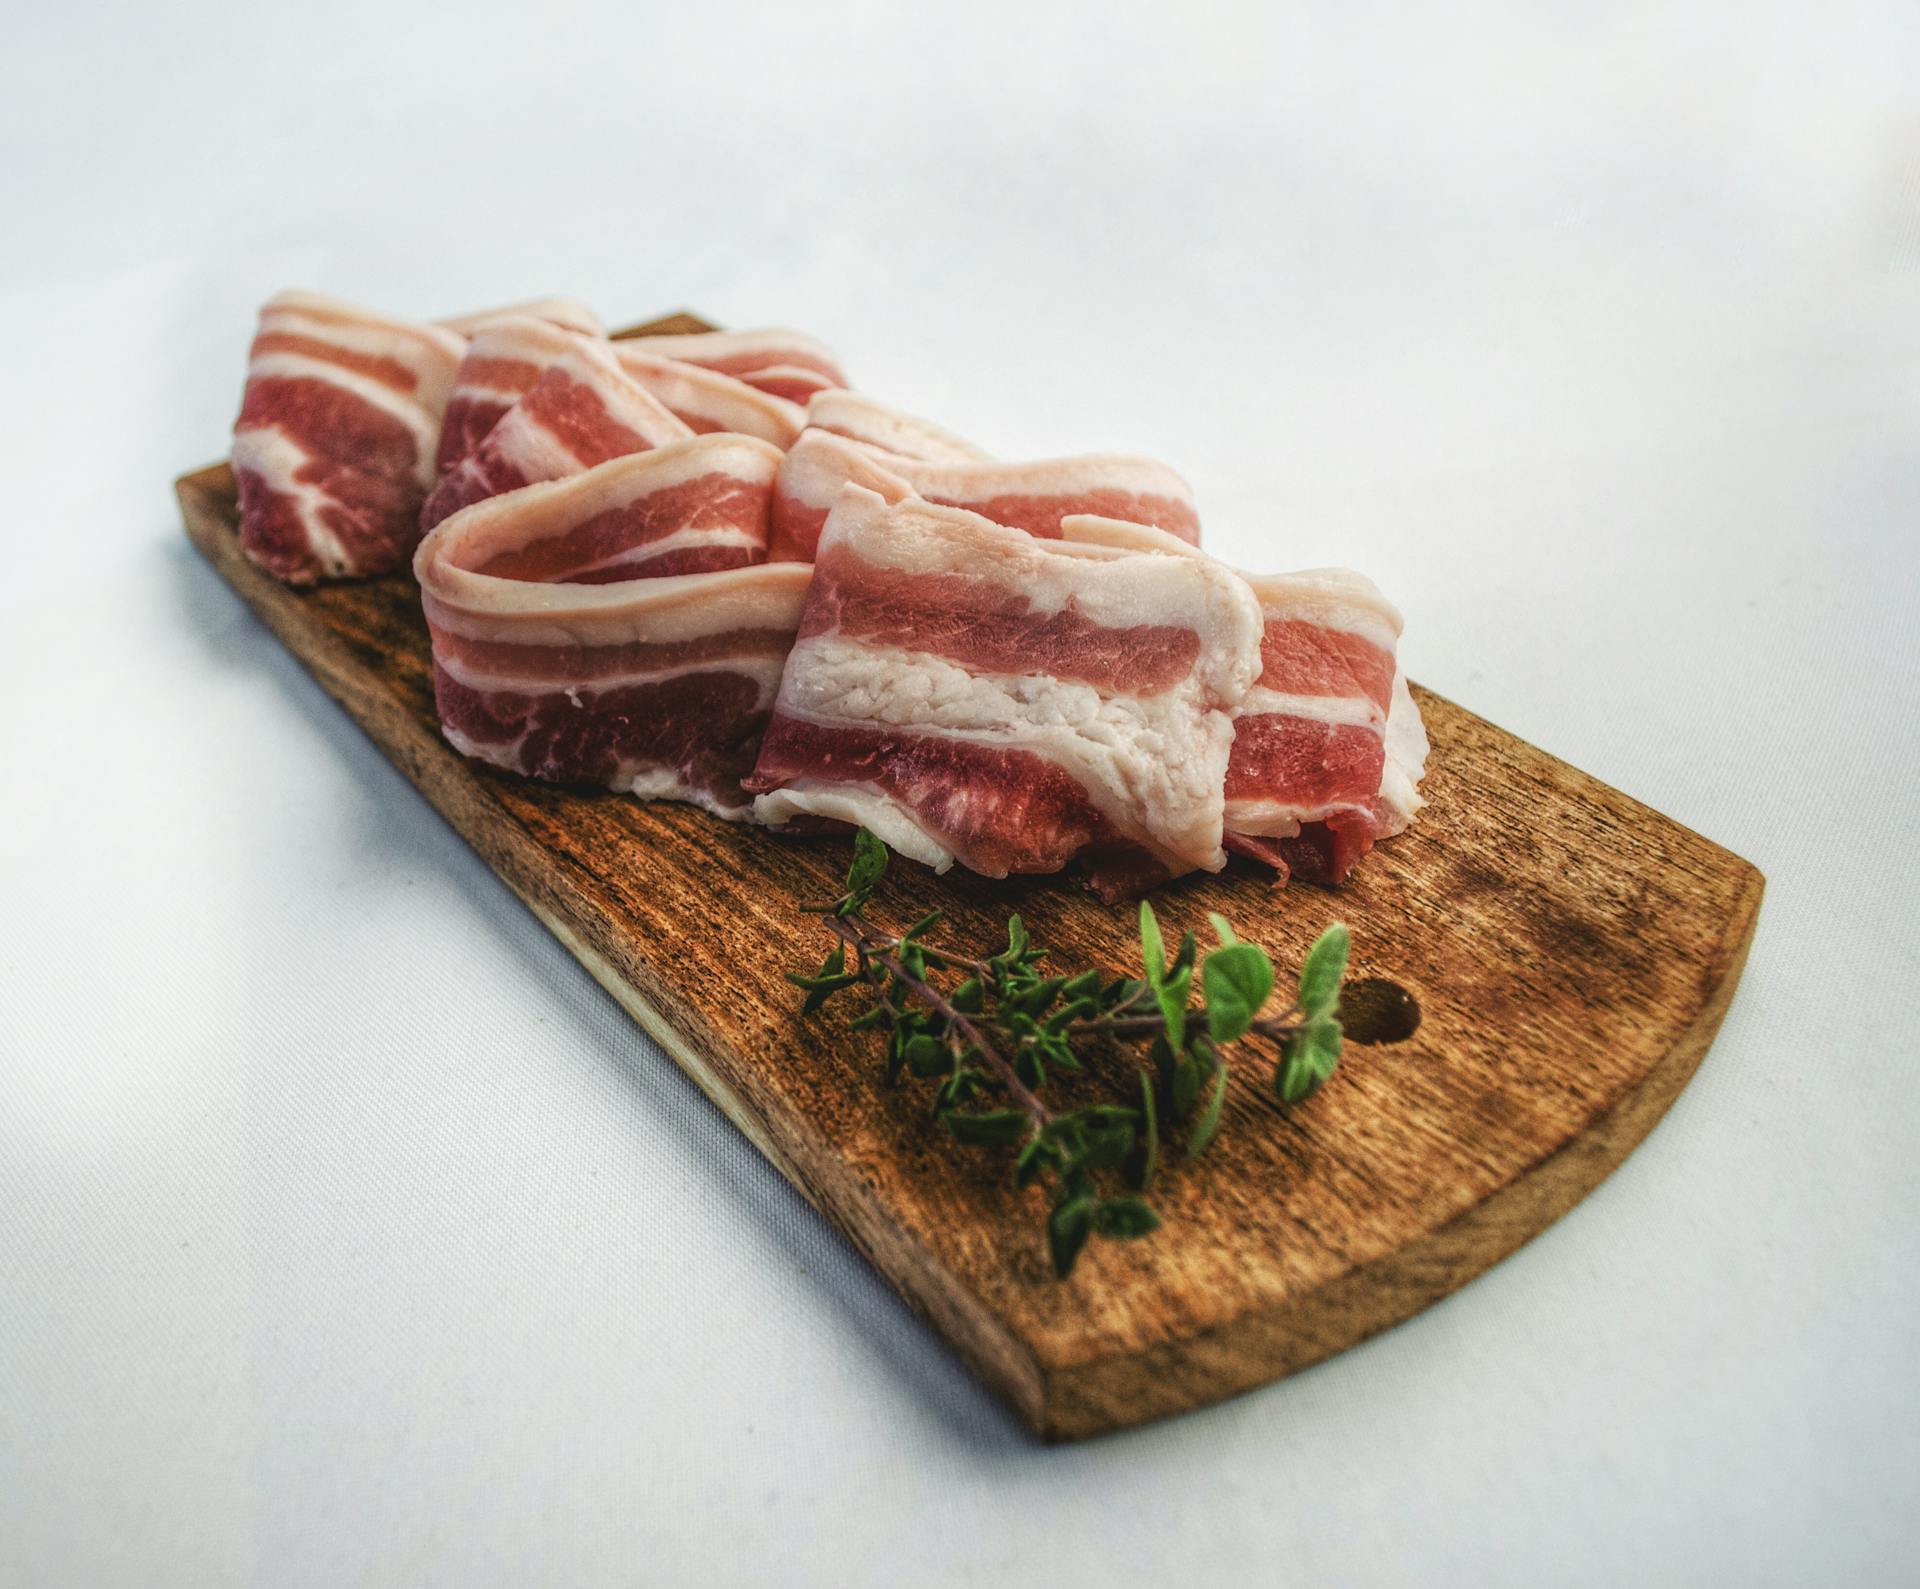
(1282, 1025)
(864, 944)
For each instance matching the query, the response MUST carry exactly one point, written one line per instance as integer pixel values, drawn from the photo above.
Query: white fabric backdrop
(349, 1234)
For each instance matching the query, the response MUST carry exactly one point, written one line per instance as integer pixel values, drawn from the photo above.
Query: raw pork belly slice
(556, 656)
(1328, 747)
(785, 363)
(1033, 497)
(583, 410)
(505, 357)
(864, 419)
(705, 400)
(569, 313)
(970, 693)
(333, 450)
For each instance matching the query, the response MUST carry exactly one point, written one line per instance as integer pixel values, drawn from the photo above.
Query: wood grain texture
(1572, 951)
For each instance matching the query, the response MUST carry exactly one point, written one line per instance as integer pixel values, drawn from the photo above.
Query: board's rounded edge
(1113, 1393)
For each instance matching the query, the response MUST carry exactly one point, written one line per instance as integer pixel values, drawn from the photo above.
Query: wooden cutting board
(1571, 952)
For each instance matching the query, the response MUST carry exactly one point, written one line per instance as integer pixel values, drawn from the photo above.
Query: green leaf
(1236, 980)
(1184, 956)
(827, 981)
(1151, 1114)
(1037, 1157)
(1017, 941)
(997, 1128)
(1171, 995)
(832, 966)
(925, 1056)
(1307, 1059)
(1152, 953)
(878, 1016)
(967, 998)
(1174, 991)
(1209, 1122)
(1102, 1115)
(1321, 971)
(1186, 1085)
(1125, 1217)
(822, 991)
(1068, 1227)
(1034, 999)
(869, 866)
(1084, 986)
(1104, 1149)
(920, 926)
(1222, 927)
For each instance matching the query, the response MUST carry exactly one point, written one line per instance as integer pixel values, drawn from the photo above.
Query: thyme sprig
(995, 1033)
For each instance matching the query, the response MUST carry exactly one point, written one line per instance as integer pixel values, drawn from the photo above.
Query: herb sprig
(994, 1033)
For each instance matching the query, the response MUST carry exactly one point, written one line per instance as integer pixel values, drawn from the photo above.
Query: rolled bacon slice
(973, 694)
(861, 418)
(705, 400)
(583, 410)
(785, 363)
(1033, 497)
(334, 446)
(616, 628)
(1328, 747)
(506, 355)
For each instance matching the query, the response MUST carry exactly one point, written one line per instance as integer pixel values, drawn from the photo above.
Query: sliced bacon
(786, 364)
(614, 628)
(971, 693)
(1328, 746)
(506, 355)
(583, 410)
(873, 423)
(333, 449)
(1033, 497)
(705, 400)
(1328, 749)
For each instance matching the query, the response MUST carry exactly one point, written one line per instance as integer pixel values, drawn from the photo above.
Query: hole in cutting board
(1376, 1010)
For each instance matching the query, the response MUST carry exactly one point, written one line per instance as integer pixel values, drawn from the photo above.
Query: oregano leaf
(1152, 953)
(1124, 1217)
(1150, 1114)
(1307, 1058)
(1186, 1085)
(1208, 1125)
(870, 856)
(1321, 971)
(1068, 1227)
(996, 1128)
(1235, 980)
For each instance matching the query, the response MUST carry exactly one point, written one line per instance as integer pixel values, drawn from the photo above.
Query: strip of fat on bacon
(787, 364)
(616, 628)
(334, 446)
(583, 410)
(1033, 497)
(1328, 746)
(705, 400)
(506, 355)
(971, 693)
(569, 313)
(861, 418)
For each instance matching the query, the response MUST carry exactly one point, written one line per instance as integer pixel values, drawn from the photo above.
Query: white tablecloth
(349, 1234)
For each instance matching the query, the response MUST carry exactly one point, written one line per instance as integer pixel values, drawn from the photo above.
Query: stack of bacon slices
(699, 567)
